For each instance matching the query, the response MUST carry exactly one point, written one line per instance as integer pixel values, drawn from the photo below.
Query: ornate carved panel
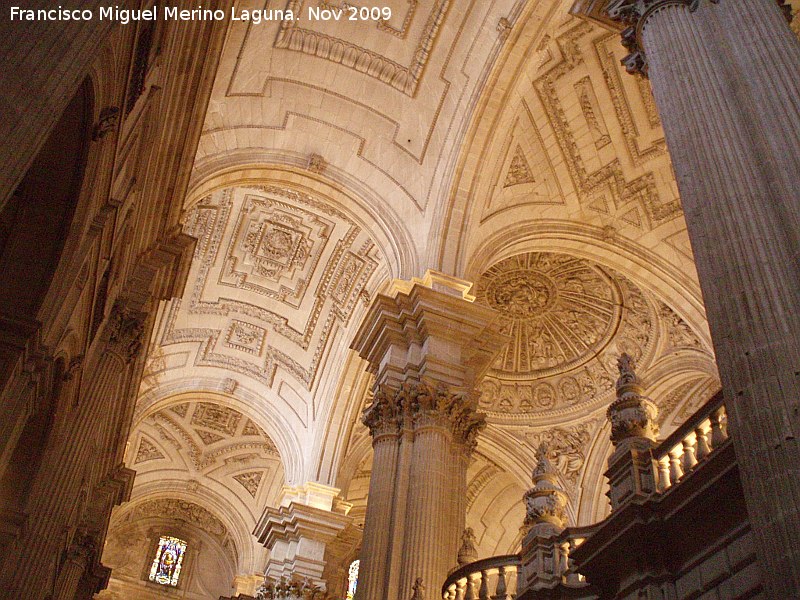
(250, 481)
(398, 64)
(601, 179)
(278, 272)
(147, 451)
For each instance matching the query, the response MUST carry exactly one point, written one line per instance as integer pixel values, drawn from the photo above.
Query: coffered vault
(499, 142)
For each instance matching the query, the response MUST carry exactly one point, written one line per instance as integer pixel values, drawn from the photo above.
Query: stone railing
(488, 579)
(567, 542)
(691, 444)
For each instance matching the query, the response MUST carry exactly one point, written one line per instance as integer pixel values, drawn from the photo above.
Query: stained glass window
(352, 579)
(166, 567)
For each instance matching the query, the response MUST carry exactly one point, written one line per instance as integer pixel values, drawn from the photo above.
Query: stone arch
(37, 218)
(241, 400)
(350, 196)
(196, 517)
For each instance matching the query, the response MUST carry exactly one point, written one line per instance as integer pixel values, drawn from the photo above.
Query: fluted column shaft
(428, 346)
(77, 561)
(377, 524)
(405, 458)
(726, 79)
(426, 537)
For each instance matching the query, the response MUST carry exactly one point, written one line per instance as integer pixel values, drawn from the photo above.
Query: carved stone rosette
(545, 502)
(631, 415)
(635, 13)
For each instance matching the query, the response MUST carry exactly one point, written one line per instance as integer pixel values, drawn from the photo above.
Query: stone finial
(468, 552)
(545, 502)
(631, 414)
(419, 590)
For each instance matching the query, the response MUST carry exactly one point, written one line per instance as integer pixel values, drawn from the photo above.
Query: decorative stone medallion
(558, 309)
(569, 320)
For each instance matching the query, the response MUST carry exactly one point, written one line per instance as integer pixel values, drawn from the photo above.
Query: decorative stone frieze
(290, 590)
(631, 414)
(546, 502)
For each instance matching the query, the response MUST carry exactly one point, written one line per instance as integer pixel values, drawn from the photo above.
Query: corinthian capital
(633, 15)
(435, 404)
(382, 416)
(125, 327)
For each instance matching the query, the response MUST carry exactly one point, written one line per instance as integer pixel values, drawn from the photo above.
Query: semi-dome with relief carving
(559, 310)
(568, 319)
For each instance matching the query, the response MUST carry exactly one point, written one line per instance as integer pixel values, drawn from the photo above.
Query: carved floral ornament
(635, 13)
(126, 327)
(421, 404)
(290, 590)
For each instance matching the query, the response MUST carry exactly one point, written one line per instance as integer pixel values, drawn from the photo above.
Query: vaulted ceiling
(497, 141)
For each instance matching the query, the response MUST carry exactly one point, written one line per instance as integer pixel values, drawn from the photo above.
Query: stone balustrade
(691, 444)
(488, 579)
(567, 542)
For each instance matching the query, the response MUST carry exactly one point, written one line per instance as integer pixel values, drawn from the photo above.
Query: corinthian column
(726, 79)
(428, 347)
(382, 419)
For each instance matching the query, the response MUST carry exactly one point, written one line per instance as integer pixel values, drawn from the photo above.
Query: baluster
(471, 593)
(675, 470)
(663, 474)
(563, 562)
(572, 578)
(718, 432)
(689, 459)
(461, 590)
(502, 586)
(703, 448)
(484, 591)
(512, 581)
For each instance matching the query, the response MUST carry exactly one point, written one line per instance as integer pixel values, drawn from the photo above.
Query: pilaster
(296, 536)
